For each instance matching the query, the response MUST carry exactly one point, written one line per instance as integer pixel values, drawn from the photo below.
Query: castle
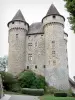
(40, 47)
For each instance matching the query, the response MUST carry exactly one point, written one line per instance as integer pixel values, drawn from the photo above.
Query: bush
(39, 82)
(16, 88)
(26, 79)
(8, 80)
(29, 79)
(60, 94)
(73, 94)
(36, 92)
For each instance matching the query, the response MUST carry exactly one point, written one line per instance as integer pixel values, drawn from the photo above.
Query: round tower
(56, 72)
(18, 29)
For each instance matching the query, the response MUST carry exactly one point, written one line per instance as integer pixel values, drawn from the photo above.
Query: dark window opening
(12, 22)
(44, 66)
(16, 35)
(27, 67)
(53, 52)
(53, 41)
(54, 16)
(41, 35)
(36, 66)
(54, 62)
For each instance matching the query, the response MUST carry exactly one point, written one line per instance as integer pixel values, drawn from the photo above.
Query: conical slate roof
(52, 10)
(18, 16)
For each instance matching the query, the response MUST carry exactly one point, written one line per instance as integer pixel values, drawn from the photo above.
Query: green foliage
(36, 92)
(16, 88)
(70, 5)
(60, 94)
(29, 79)
(73, 94)
(26, 79)
(8, 80)
(39, 82)
(51, 97)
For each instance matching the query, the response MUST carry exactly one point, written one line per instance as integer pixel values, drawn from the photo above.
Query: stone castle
(40, 47)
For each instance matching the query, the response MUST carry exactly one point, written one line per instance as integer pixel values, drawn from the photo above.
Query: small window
(16, 35)
(53, 52)
(41, 35)
(35, 44)
(54, 62)
(29, 45)
(44, 66)
(54, 16)
(29, 57)
(53, 41)
(35, 66)
(12, 22)
(29, 36)
(53, 44)
(27, 67)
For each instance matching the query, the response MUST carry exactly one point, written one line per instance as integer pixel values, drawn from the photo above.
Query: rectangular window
(27, 67)
(44, 66)
(54, 62)
(35, 44)
(16, 35)
(35, 66)
(53, 44)
(29, 45)
(53, 52)
(28, 36)
(29, 57)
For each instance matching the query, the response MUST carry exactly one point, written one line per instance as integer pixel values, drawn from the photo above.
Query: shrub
(26, 79)
(36, 92)
(16, 88)
(29, 79)
(73, 94)
(60, 94)
(8, 80)
(39, 82)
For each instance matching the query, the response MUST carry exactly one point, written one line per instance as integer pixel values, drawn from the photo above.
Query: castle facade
(40, 47)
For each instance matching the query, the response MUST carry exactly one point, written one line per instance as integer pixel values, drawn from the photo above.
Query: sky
(34, 11)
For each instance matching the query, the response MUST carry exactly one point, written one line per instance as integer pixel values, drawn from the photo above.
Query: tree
(8, 80)
(29, 79)
(3, 63)
(70, 5)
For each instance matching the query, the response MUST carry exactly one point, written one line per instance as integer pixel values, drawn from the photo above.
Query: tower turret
(56, 72)
(18, 29)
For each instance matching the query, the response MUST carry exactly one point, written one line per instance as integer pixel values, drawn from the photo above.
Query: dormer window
(54, 16)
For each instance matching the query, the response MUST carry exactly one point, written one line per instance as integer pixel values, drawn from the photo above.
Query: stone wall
(17, 47)
(56, 72)
(38, 53)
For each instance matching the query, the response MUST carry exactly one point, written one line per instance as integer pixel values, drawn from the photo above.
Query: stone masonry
(40, 47)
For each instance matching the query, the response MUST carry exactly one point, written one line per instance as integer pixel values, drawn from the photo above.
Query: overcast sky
(34, 11)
